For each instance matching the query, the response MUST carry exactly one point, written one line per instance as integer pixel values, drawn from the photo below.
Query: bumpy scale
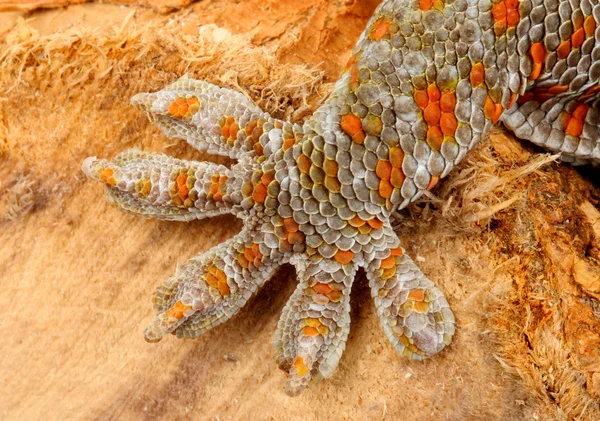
(424, 84)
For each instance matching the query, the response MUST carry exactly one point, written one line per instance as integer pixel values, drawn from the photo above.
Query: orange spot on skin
(499, 11)
(304, 164)
(511, 101)
(489, 108)
(580, 111)
(288, 143)
(435, 137)
(397, 252)
(107, 176)
(330, 167)
(432, 114)
(434, 180)
(310, 331)
(558, 89)
(357, 222)
(421, 98)
(513, 17)
(312, 322)
(212, 279)
(224, 289)
(322, 288)
(177, 310)
(563, 49)
(249, 254)
(344, 257)
(183, 192)
(216, 278)
(183, 108)
(426, 4)
(396, 157)
(397, 178)
(448, 102)
(589, 26)
(267, 177)
(448, 124)
(260, 193)
(258, 149)
(334, 296)
(388, 262)
(492, 111)
(383, 170)
(538, 52)
(416, 295)
(359, 137)
(574, 127)
(250, 127)
(173, 108)
(505, 14)
(257, 133)
(300, 367)
(388, 273)
(477, 74)
(290, 225)
(536, 71)
(577, 38)
(225, 132)
(234, 131)
(498, 110)
(214, 187)
(433, 92)
(221, 277)
(352, 125)
(380, 29)
(385, 189)
(375, 223)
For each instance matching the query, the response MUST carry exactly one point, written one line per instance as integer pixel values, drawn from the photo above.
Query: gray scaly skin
(425, 82)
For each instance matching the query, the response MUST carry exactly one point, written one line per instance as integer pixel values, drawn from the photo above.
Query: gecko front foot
(288, 190)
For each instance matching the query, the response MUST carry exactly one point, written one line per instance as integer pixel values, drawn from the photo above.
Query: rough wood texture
(162, 6)
(511, 238)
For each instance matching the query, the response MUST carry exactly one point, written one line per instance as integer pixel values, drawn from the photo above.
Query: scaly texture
(425, 82)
